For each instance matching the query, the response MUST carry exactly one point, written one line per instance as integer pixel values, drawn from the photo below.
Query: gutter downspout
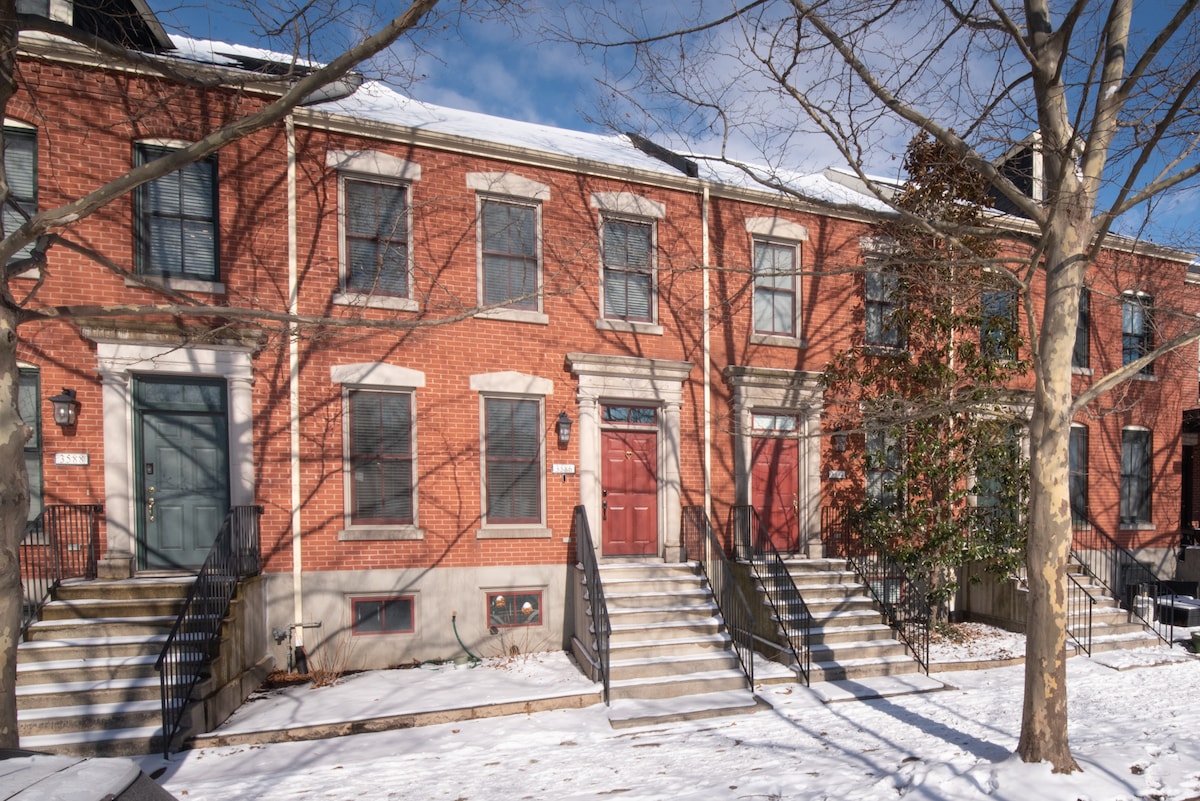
(294, 387)
(707, 352)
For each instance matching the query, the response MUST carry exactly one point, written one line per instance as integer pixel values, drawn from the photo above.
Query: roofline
(156, 29)
(334, 122)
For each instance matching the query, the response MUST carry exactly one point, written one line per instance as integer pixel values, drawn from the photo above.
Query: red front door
(775, 491)
(629, 486)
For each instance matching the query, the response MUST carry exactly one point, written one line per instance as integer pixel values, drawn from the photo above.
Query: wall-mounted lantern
(840, 439)
(66, 408)
(563, 427)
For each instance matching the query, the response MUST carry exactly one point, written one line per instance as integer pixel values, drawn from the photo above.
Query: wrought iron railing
(787, 603)
(1131, 583)
(700, 544)
(235, 555)
(1080, 606)
(60, 543)
(902, 591)
(600, 628)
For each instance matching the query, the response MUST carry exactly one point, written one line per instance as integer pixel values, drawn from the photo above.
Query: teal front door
(183, 462)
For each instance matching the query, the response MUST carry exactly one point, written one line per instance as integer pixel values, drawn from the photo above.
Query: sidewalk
(379, 700)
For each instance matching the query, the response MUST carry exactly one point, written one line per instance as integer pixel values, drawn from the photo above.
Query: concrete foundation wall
(437, 594)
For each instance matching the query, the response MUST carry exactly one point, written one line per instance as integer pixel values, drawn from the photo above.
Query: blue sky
(505, 68)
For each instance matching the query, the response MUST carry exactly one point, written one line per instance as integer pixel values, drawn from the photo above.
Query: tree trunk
(1044, 717)
(14, 507)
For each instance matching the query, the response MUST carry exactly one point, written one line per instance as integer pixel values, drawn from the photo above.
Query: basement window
(383, 615)
(514, 608)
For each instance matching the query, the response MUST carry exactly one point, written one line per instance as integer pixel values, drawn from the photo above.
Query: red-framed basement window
(514, 608)
(390, 615)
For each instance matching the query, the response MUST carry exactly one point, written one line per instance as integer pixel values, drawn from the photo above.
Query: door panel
(629, 484)
(184, 496)
(775, 491)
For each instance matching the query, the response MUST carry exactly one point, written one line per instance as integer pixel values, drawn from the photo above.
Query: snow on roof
(377, 102)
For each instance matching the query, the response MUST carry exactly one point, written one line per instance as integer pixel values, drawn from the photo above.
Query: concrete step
(814, 578)
(648, 615)
(85, 668)
(643, 571)
(54, 650)
(682, 684)
(622, 601)
(811, 592)
(857, 650)
(95, 691)
(92, 608)
(670, 584)
(100, 627)
(671, 647)
(830, 634)
(623, 632)
(843, 669)
(826, 565)
(85, 717)
(678, 666)
(174, 587)
(628, 713)
(101, 742)
(820, 607)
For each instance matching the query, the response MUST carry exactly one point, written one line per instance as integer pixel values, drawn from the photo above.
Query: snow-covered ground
(1135, 730)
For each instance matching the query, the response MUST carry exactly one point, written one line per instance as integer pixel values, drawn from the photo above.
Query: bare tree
(1103, 94)
(25, 245)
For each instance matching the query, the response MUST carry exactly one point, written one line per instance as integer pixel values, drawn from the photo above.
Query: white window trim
(513, 386)
(649, 327)
(377, 167)
(377, 377)
(778, 340)
(175, 282)
(1143, 526)
(32, 273)
(509, 187)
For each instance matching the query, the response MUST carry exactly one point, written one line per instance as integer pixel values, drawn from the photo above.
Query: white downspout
(294, 386)
(707, 355)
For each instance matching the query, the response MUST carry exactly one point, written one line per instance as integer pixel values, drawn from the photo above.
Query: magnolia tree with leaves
(31, 236)
(1104, 93)
(930, 387)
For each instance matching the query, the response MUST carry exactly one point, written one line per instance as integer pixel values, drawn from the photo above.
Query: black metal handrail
(235, 555)
(1126, 579)
(1080, 607)
(60, 543)
(600, 628)
(901, 591)
(699, 543)
(787, 603)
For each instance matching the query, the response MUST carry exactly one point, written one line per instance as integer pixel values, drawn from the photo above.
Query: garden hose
(454, 623)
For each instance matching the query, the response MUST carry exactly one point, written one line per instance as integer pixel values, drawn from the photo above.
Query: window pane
(381, 457)
(1135, 477)
(376, 238)
(513, 470)
(774, 289)
(1078, 470)
(1080, 356)
(368, 616)
(177, 219)
(29, 407)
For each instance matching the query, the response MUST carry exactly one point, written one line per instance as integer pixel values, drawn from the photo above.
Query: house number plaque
(71, 458)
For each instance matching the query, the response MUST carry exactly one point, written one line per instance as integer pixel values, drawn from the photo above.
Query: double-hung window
(381, 457)
(998, 324)
(1078, 475)
(510, 253)
(628, 255)
(881, 297)
(376, 238)
(1137, 334)
(20, 167)
(512, 469)
(1081, 355)
(775, 271)
(1135, 477)
(29, 407)
(177, 219)
(882, 466)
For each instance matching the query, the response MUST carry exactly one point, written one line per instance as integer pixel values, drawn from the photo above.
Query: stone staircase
(86, 683)
(670, 657)
(849, 639)
(1113, 627)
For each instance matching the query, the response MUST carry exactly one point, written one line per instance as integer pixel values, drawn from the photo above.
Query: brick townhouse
(525, 320)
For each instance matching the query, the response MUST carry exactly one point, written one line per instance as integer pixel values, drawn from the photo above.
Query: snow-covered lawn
(1135, 729)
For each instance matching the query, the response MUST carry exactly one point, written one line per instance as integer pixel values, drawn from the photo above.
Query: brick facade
(698, 362)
